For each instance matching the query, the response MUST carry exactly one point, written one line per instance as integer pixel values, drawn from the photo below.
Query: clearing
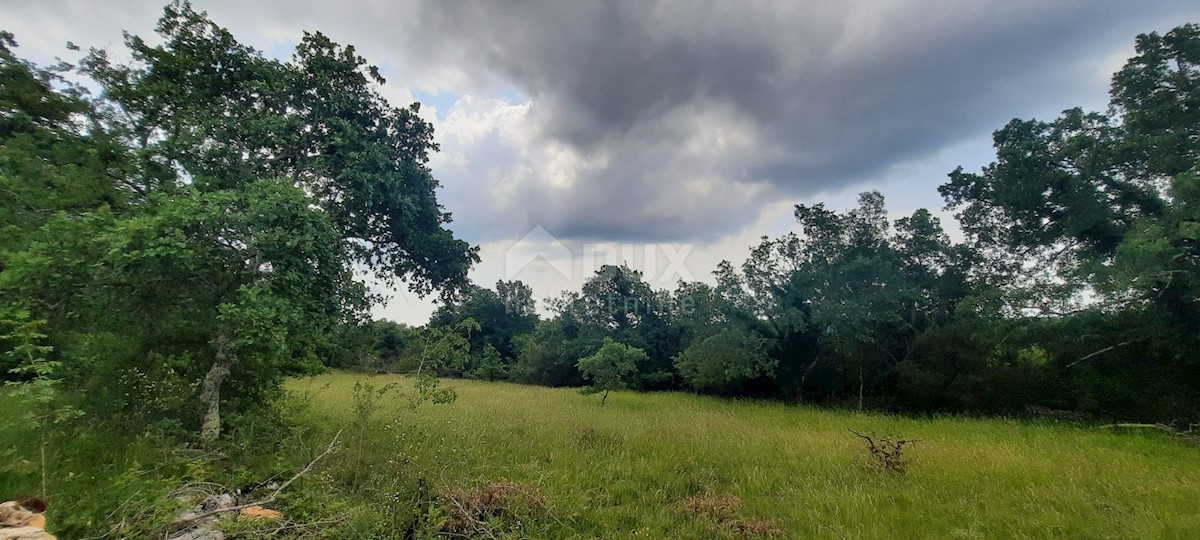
(672, 465)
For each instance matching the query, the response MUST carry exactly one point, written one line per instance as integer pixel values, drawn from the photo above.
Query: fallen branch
(1191, 435)
(888, 452)
(871, 441)
(274, 494)
(1159, 427)
(272, 531)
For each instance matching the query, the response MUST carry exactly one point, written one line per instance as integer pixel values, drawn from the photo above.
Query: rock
(203, 533)
(217, 502)
(200, 529)
(259, 512)
(22, 519)
(211, 503)
(12, 514)
(25, 533)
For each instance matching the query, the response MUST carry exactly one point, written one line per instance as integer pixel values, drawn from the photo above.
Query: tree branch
(1106, 349)
(274, 494)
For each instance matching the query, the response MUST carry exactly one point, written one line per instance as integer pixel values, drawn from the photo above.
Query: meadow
(675, 465)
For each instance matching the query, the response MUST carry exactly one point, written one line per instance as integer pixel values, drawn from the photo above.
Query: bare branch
(275, 494)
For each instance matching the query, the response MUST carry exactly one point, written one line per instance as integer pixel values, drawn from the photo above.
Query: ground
(674, 465)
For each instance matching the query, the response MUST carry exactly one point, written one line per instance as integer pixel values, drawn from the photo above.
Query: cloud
(682, 120)
(679, 120)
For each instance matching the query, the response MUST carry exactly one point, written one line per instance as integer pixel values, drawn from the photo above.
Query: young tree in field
(610, 368)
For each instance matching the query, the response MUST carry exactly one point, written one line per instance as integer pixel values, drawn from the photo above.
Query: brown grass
(747, 529)
(718, 506)
(471, 510)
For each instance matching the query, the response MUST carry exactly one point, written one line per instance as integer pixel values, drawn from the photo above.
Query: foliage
(190, 234)
(609, 369)
(725, 362)
(489, 365)
(1075, 288)
(501, 315)
(203, 109)
(549, 355)
(446, 348)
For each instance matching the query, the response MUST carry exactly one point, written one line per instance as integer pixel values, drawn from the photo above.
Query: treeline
(175, 244)
(1076, 290)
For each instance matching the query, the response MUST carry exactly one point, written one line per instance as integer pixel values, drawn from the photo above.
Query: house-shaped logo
(538, 248)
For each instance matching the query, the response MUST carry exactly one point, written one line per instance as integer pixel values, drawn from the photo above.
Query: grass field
(628, 469)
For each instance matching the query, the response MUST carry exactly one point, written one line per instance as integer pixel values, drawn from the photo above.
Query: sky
(670, 135)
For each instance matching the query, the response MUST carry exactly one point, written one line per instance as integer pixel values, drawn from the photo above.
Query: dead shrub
(722, 510)
(747, 529)
(718, 506)
(470, 510)
(887, 453)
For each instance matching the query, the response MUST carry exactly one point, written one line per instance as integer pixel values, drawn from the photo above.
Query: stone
(203, 533)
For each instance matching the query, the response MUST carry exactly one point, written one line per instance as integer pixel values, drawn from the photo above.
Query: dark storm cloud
(832, 95)
(683, 118)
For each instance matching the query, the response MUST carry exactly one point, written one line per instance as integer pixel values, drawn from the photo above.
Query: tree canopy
(1075, 285)
(201, 223)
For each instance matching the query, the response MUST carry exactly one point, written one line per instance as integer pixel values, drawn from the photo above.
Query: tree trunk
(860, 382)
(604, 398)
(804, 377)
(210, 393)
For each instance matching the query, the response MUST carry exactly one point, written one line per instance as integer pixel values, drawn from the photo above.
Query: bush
(725, 362)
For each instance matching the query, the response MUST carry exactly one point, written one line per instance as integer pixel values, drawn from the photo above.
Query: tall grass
(624, 470)
(662, 465)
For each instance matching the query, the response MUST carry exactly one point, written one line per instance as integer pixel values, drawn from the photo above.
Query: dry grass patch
(474, 513)
(723, 509)
(747, 529)
(718, 506)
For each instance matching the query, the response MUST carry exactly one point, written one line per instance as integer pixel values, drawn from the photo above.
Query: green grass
(622, 470)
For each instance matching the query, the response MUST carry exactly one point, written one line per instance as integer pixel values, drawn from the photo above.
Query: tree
(1063, 196)
(725, 362)
(550, 353)
(617, 302)
(610, 368)
(205, 110)
(207, 217)
(847, 298)
(1089, 220)
(274, 283)
(55, 156)
(501, 314)
(445, 347)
